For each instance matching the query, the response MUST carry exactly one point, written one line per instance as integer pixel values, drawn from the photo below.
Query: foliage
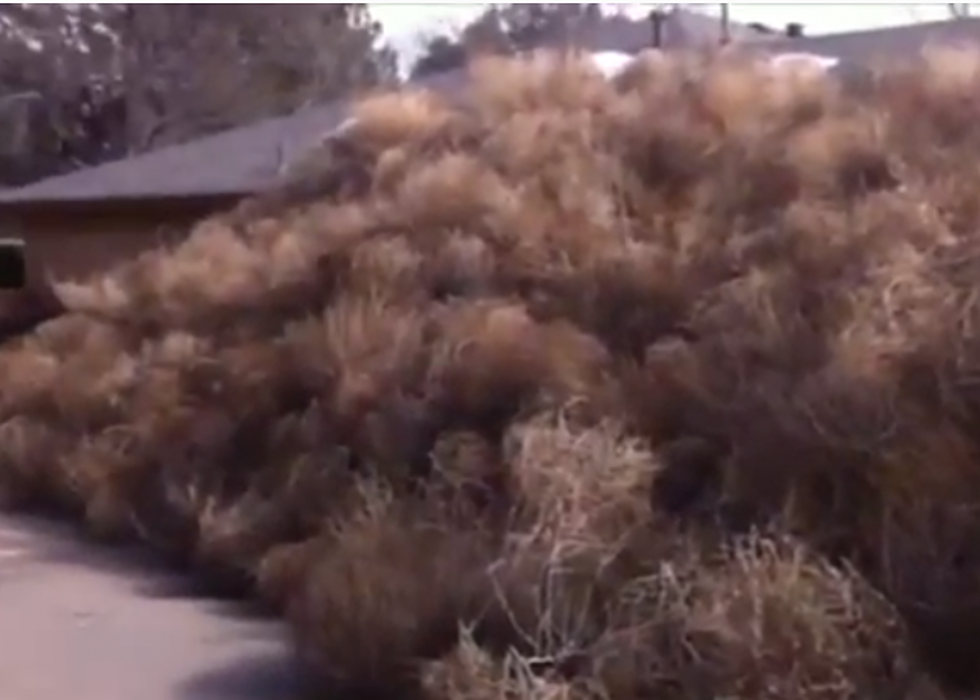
(81, 84)
(503, 29)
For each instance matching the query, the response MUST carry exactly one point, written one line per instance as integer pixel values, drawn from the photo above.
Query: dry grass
(659, 387)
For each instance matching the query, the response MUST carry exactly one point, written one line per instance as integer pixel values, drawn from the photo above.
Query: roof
(866, 46)
(235, 162)
(231, 162)
(681, 29)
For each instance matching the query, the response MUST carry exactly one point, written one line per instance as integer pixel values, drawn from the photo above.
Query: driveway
(83, 622)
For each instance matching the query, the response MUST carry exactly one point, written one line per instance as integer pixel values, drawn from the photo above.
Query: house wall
(75, 241)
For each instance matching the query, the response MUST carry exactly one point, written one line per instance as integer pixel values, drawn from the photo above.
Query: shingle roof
(234, 162)
(866, 46)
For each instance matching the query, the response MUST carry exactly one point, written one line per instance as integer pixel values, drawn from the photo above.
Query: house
(870, 46)
(87, 220)
(671, 29)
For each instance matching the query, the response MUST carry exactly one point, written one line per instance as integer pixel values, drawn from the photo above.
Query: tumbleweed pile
(666, 386)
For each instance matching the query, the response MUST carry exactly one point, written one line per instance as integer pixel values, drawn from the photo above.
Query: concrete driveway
(83, 622)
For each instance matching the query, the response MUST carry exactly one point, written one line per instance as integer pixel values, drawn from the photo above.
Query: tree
(81, 84)
(504, 29)
(192, 69)
(43, 80)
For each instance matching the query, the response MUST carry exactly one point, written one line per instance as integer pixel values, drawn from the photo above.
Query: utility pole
(725, 25)
(659, 17)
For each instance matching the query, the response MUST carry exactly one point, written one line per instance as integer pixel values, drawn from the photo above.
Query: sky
(405, 23)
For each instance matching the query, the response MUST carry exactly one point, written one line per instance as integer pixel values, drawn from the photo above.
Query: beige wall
(71, 242)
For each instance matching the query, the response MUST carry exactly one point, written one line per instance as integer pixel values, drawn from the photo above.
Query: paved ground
(86, 623)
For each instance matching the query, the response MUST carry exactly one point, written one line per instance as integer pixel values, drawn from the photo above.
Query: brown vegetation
(663, 387)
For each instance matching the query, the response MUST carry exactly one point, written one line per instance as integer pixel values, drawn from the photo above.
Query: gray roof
(867, 46)
(238, 161)
(232, 162)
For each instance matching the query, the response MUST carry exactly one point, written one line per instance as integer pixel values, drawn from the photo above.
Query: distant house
(671, 29)
(867, 47)
(90, 219)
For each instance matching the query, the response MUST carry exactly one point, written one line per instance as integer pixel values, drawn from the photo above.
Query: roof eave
(19, 206)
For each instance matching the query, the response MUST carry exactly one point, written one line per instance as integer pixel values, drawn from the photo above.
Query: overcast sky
(405, 22)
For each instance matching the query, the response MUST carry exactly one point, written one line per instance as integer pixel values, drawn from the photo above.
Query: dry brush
(568, 387)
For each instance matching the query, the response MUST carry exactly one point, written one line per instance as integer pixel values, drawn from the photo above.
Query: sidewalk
(82, 622)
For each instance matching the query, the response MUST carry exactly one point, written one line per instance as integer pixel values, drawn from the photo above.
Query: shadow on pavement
(57, 542)
(262, 677)
(104, 623)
